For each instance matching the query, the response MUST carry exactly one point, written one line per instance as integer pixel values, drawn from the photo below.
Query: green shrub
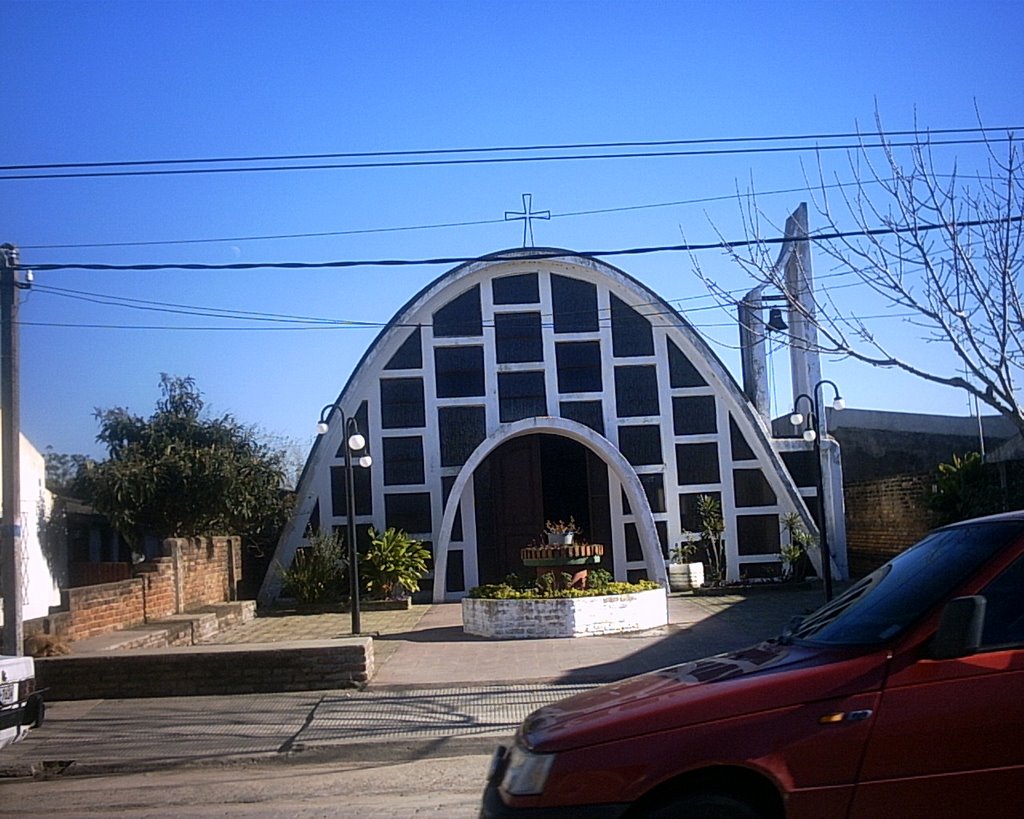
(503, 591)
(317, 571)
(394, 564)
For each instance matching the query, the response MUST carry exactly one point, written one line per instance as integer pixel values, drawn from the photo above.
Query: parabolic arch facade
(536, 384)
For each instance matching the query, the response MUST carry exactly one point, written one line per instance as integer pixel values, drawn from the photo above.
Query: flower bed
(514, 619)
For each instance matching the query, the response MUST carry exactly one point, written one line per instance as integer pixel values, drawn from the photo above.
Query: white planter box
(564, 617)
(685, 576)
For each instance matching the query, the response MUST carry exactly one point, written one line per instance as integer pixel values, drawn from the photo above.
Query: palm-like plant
(394, 564)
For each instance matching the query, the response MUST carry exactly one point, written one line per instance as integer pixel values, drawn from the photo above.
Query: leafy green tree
(63, 472)
(962, 489)
(181, 473)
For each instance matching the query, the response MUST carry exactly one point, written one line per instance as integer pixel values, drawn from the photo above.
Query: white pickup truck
(21, 706)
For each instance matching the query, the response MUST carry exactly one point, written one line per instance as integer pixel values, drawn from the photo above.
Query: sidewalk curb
(395, 750)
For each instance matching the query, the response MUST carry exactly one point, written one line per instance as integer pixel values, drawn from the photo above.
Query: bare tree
(941, 251)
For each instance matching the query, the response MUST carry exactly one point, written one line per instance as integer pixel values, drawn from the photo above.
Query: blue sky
(111, 81)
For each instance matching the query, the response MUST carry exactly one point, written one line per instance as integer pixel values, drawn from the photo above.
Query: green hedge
(504, 591)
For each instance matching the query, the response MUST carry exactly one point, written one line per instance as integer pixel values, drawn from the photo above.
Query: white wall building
(537, 384)
(39, 589)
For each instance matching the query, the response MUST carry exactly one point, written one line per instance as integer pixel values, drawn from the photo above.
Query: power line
(517, 255)
(317, 235)
(248, 315)
(472, 223)
(354, 326)
(192, 310)
(312, 323)
(414, 163)
(503, 148)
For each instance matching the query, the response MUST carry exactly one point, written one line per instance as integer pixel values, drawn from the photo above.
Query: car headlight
(527, 773)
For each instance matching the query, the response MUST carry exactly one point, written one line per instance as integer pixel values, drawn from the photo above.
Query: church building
(536, 385)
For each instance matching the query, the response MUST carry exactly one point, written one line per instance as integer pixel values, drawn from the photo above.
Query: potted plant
(393, 565)
(560, 533)
(684, 572)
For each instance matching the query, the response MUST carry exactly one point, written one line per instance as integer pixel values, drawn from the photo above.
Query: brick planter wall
(223, 669)
(191, 574)
(564, 617)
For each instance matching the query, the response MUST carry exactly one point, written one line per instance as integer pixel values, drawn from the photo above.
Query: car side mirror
(959, 633)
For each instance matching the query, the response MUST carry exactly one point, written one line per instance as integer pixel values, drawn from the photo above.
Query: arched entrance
(528, 480)
(600, 457)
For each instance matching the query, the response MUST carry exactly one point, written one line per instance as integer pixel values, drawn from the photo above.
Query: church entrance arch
(529, 480)
(535, 470)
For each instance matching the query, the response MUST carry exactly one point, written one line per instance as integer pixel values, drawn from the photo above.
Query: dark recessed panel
(689, 515)
(694, 415)
(459, 371)
(521, 395)
(697, 463)
(662, 528)
(447, 482)
(574, 305)
(461, 429)
(588, 413)
(741, 450)
(410, 512)
(403, 460)
(633, 549)
(517, 338)
(401, 403)
(578, 364)
(654, 487)
(519, 289)
(636, 391)
(461, 316)
(641, 445)
(455, 573)
(751, 488)
(681, 372)
(363, 491)
(631, 332)
(757, 534)
(409, 356)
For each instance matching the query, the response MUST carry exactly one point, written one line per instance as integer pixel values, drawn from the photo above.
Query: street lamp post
(813, 433)
(354, 442)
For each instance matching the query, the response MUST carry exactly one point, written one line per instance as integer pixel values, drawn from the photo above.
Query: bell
(775, 321)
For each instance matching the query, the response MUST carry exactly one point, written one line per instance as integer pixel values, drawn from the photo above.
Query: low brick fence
(205, 670)
(192, 573)
(564, 616)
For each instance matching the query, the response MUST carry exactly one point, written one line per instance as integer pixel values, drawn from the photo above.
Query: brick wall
(884, 517)
(191, 574)
(100, 609)
(244, 669)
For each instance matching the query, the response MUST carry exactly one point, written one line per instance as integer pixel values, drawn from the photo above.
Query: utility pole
(10, 445)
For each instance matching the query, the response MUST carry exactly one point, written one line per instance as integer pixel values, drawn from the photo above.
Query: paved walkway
(437, 691)
(425, 646)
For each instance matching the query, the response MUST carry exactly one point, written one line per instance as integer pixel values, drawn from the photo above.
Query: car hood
(768, 675)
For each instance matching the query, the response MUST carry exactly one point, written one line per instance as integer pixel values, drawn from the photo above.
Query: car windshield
(886, 602)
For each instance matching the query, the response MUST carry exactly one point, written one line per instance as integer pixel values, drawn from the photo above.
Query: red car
(903, 697)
